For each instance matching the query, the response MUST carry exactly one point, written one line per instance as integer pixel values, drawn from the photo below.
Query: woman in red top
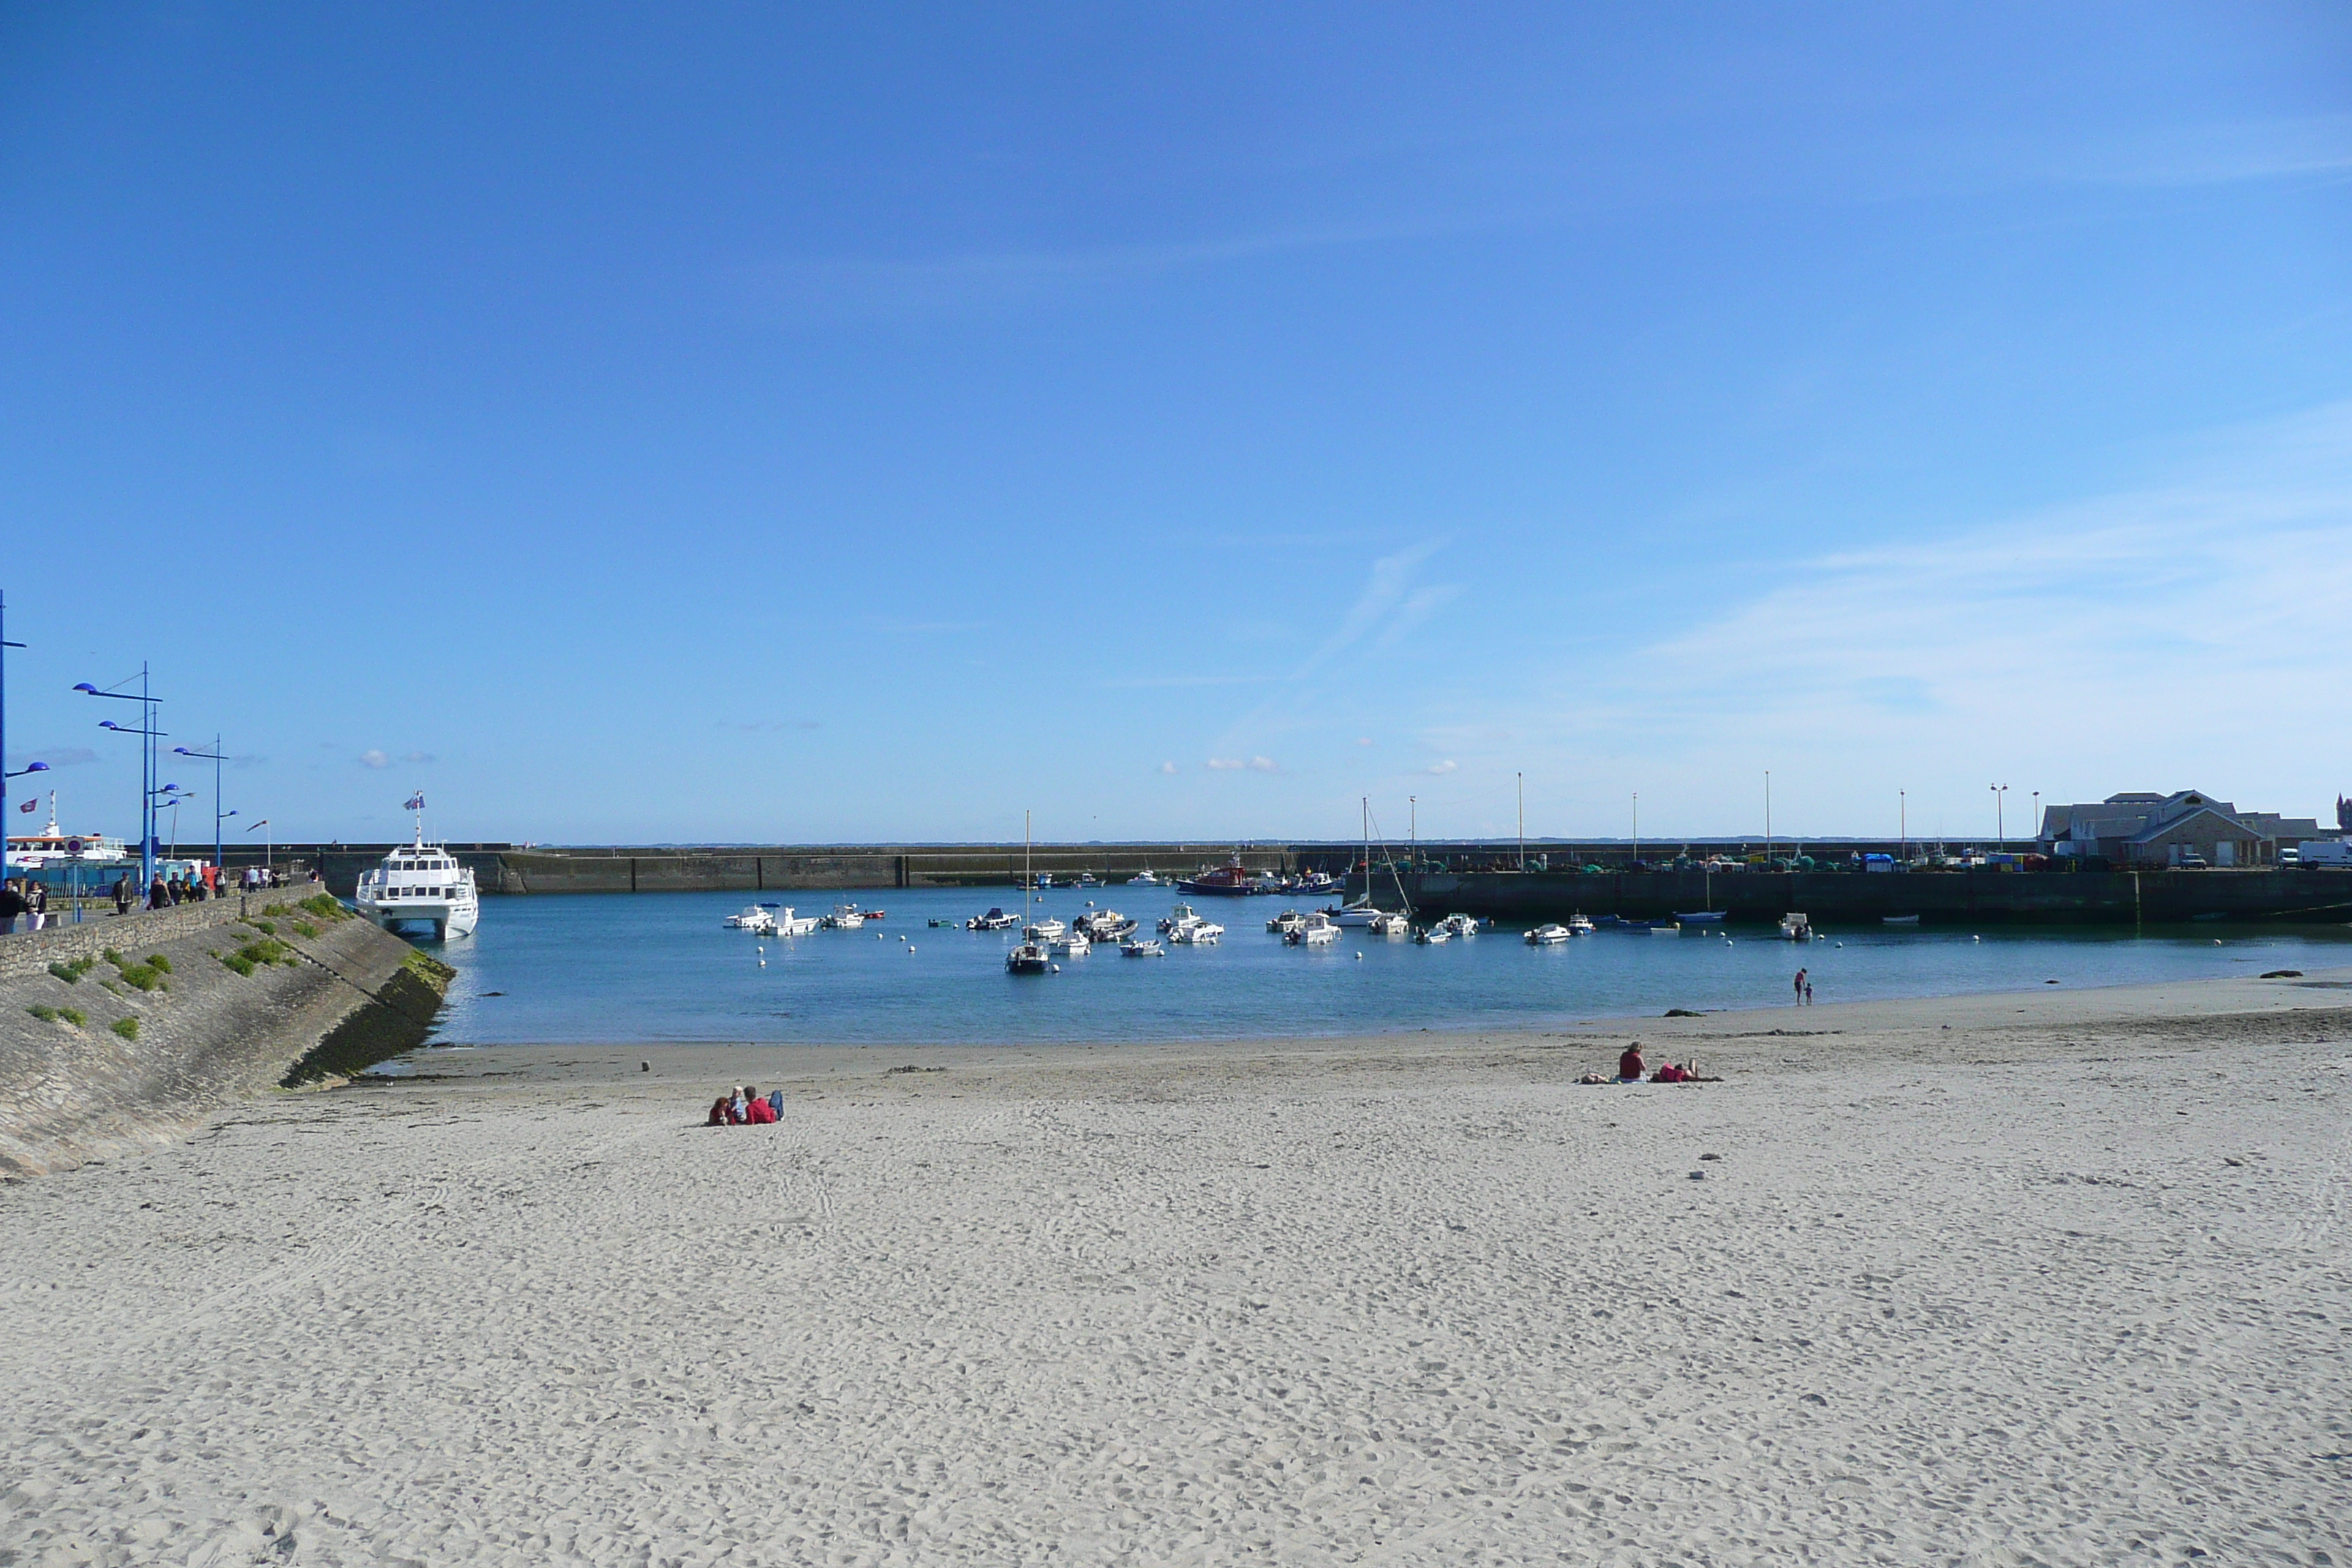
(1630, 1067)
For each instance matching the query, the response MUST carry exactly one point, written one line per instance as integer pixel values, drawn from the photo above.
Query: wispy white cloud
(374, 758)
(1168, 767)
(1449, 765)
(2219, 154)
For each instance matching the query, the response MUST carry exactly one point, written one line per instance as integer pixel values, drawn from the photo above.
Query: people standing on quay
(158, 895)
(12, 904)
(37, 899)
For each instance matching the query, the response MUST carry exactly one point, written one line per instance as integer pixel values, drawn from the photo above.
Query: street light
(215, 757)
(147, 768)
(1999, 827)
(1523, 825)
(268, 848)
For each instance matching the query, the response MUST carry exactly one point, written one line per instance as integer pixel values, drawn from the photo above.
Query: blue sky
(742, 423)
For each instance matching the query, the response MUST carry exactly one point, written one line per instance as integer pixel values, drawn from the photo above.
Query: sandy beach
(2050, 1278)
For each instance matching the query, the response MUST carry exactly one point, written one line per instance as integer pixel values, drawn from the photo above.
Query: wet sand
(2048, 1278)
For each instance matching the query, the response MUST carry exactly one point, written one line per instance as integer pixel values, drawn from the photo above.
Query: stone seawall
(103, 1051)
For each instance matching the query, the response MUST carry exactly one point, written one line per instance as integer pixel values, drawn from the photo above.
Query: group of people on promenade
(24, 900)
(747, 1107)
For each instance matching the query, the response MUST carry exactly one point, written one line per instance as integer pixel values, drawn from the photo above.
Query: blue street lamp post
(147, 769)
(5, 775)
(213, 757)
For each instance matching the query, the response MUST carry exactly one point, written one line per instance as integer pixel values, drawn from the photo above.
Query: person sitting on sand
(737, 1112)
(1630, 1067)
(718, 1117)
(757, 1110)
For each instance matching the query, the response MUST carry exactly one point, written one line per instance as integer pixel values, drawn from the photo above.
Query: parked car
(2192, 863)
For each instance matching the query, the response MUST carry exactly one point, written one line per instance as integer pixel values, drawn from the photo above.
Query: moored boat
(1232, 879)
(1550, 935)
(1286, 922)
(1313, 930)
(420, 884)
(1141, 947)
(994, 920)
(1028, 958)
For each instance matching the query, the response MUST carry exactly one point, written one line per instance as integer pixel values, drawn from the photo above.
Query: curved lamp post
(213, 757)
(147, 769)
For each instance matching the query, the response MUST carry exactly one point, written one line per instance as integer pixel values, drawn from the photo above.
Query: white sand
(2064, 1285)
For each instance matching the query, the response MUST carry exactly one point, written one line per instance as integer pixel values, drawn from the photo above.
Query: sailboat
(1031, 957)
(1709, 915)
(1363, 914)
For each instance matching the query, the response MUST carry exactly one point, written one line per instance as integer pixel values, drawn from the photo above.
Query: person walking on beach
(1801, 987)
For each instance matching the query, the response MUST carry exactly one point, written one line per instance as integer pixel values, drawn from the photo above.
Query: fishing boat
(790, 924)
(1286, 922)
(1312, 931)
(1231, 880)
(1579, 925)
(1316, 884)
(1181, 915)
(753, 919)
(844, 917)
(1141, 947)
(1550, 935)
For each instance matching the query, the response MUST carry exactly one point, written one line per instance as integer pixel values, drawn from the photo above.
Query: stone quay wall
(155, 1052)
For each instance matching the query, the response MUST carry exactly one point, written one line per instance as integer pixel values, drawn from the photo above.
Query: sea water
(656, 967)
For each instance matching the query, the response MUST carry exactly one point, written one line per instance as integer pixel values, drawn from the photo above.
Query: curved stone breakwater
(126, 1032)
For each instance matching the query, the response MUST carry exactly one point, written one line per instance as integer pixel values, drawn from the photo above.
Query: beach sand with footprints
(2040, 1279)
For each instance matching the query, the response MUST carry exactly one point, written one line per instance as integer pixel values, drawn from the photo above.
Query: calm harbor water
(661, 967)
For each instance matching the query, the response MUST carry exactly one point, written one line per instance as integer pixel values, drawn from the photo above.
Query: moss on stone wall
(397, 1020)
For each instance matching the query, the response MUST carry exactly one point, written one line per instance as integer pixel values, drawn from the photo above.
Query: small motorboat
(844, 917)
(1143, 947)
(1289, 920)
(1144, 879)
(1087, 880)
(1796, 927)
(1316, 885)
(1701, 917)
(1070, 944)
(1180, 915)
(1047, 929)
(1312, 931)
(1460, 925)
(873, 914)
(787, 923)
(1664, 928)
(937, 923)
(994, 920)
(1029, 958)
(753, 919)
(1579, 925)
(1197, 932)
(1899, 920)
(1550, 935)
(1431, 936)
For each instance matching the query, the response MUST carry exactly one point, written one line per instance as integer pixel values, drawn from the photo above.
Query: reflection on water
(660, 967)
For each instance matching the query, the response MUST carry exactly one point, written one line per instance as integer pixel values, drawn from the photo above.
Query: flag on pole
(28, 805)
(415, 802)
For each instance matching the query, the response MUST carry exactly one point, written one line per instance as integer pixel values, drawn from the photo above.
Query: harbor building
(2138, 830)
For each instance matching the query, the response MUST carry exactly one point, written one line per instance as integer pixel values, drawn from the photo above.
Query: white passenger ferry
(420, 884)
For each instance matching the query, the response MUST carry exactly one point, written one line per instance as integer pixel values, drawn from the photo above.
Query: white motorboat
(1087, 880)
(1461, 925)
(994, 920)
(1289, 920)
(1047, 929)
(1581, 924)
(1388, 925)
(1197, 932)
(1550, 935)
(1144, 879)
(1796, 927)
(753, 919)
(420, 884)
(1183, 914)
(844, 917)
(1143, 947)
(1316, 885)
(1431, 936)
(1666, 928)
(1070, 944)
(1312, 931)
(786, 924)
(1106, 925)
